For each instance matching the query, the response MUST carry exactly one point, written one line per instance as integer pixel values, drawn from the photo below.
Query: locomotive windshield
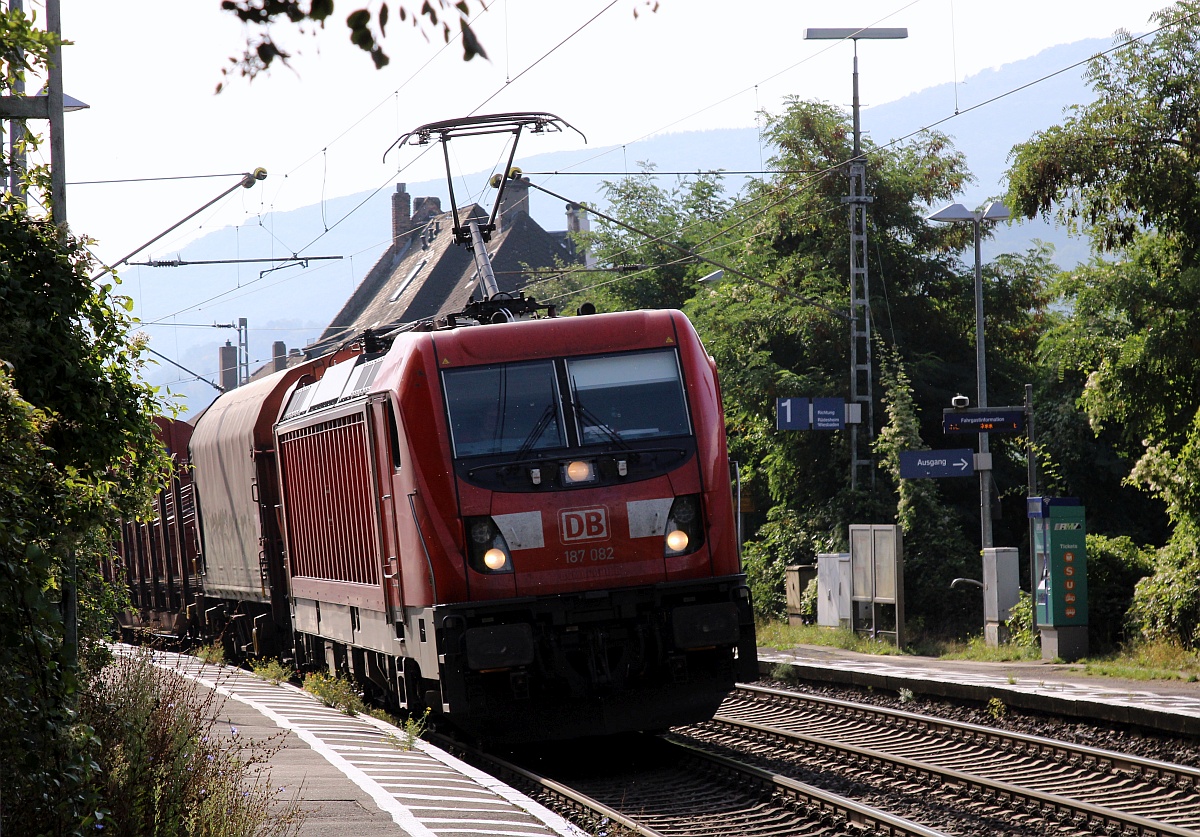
(631, 396)
(503, 409)
(519, 407)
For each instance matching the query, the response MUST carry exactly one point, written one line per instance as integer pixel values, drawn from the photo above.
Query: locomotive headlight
(495, 559)
(579, 471)
(685, 526)
(487, 550)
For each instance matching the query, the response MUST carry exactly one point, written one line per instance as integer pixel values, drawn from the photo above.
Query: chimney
(424, 209)
(278, 355)
(577, 222)
(228, 362)
(514, 203)
(401, 213)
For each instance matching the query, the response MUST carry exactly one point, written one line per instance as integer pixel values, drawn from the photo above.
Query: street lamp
(957, 213)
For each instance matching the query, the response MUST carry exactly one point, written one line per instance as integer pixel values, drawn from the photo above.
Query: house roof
(424, 274)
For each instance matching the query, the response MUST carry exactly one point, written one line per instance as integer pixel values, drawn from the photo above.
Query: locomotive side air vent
(361, 380)
(332, 384)
(300, 400)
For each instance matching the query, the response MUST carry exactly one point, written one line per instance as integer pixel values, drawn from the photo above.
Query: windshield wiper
(536, 432)
(582, 412)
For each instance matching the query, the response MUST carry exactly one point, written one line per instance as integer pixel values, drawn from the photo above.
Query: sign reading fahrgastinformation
(983, 420)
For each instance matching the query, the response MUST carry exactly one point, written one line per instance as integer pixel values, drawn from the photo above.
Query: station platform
(352, 775)
(1171, 706)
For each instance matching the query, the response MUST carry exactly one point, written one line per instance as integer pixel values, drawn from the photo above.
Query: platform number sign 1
(792, 414)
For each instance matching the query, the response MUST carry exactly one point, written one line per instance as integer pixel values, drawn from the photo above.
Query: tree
(790, 232)
(77, 450)
(644, 258)
(1125, 163)
(1127, 167)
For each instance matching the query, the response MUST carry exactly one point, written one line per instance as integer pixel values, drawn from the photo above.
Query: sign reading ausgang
(920, 464)
(983, 420)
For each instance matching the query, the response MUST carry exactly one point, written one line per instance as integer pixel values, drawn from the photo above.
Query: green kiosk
(1060, 575)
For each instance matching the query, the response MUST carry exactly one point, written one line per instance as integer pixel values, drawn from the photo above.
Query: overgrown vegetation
(166, 768)
(337, 692)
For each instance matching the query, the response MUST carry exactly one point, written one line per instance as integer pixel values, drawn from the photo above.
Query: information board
(983, 420)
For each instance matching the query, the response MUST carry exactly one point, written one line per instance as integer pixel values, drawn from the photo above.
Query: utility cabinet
(833, 590)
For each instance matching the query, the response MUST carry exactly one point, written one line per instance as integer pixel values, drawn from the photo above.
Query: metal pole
(487, 278)
(58, 142)
(243, 352)
(1031, 475)
(16, 127)
(860, 304)
(985, 473)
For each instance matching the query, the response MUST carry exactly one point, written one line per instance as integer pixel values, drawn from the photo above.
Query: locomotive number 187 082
(599, 553)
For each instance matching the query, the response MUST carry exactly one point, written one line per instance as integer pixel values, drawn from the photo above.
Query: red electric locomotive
(527, 526)
(524, 525)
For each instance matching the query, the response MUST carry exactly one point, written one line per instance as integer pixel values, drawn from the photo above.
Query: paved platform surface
(354, 776)
(1166, 705)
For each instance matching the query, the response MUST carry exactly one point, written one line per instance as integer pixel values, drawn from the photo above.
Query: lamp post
(957, 213)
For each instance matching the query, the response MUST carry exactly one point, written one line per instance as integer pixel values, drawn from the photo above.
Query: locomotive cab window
(628, 396)
(503, 409)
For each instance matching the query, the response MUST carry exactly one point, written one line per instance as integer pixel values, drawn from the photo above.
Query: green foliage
(274, 672)
(1126, 162)
(1114, 568)
(68, 343)
(367, 28)
(783, 540)
(646, 269)
(808, 603)
(337, 692)
(779, 634)
(414, 727)
(77, 450)
(997, 709)
(1149, 660)
(1022, 627)
(49, 758)
(1166, 605)
(1126, 167)
(168, 769)
(213, 654)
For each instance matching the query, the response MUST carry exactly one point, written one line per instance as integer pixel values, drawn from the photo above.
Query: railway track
(1021, 778)
(653, 787)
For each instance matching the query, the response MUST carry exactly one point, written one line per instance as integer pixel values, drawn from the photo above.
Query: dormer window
(412, 274)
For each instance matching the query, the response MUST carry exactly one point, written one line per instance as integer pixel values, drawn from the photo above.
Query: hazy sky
(148, 69)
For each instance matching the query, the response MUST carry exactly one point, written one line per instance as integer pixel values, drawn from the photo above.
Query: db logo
(583, 524)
